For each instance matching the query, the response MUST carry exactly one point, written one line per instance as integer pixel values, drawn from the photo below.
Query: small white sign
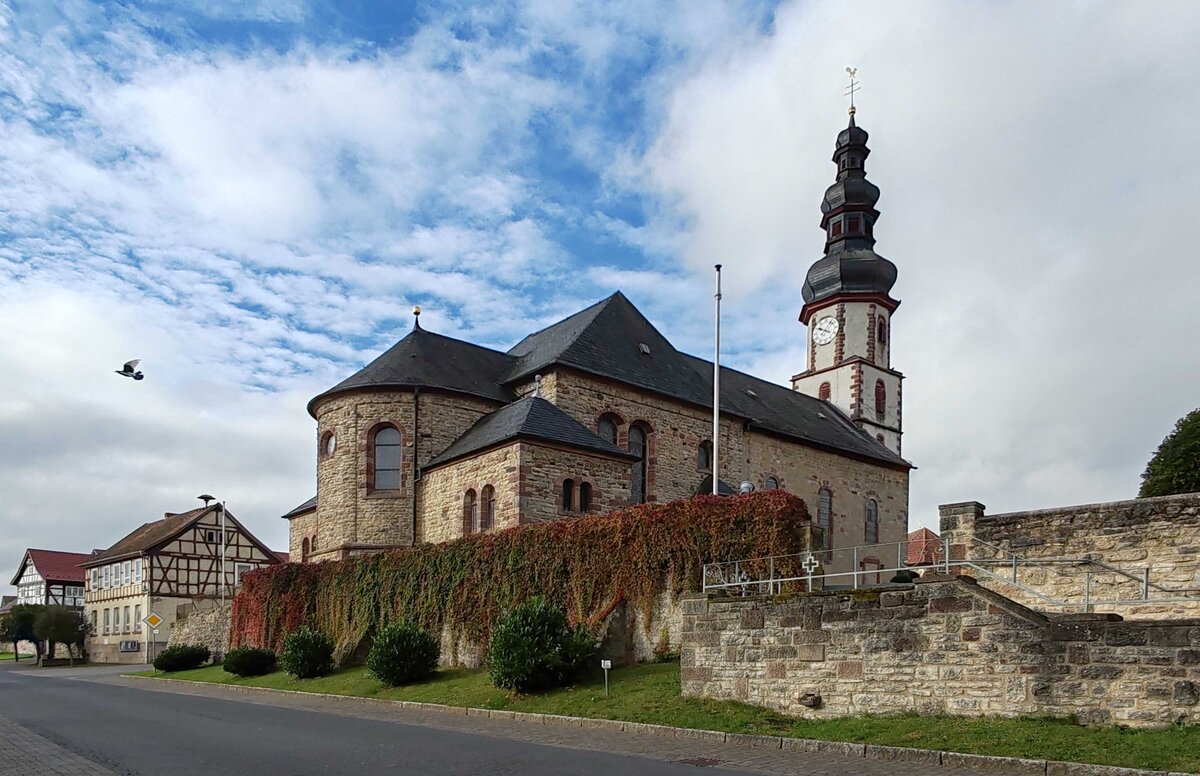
(606, 664)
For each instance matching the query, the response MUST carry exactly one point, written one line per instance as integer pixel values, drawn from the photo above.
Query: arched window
(386, 450)
(872, 522)
(314, 543)
(328, 446)
(585, 497)
(606, 427)
(824, 392)
(487, 510)
(704, 457)
(881, 335)
(568, 495)
(637, 446)
(771, 483)
(304, 550)
(825, 515)
(470, 513)
(880, 398)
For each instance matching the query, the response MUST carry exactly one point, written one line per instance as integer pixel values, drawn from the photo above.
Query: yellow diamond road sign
(153, 620)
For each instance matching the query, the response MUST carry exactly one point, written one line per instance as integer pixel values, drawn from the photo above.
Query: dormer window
(836, 229)
(853, 225)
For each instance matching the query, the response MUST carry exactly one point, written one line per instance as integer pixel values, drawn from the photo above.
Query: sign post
(152, 621)
(606, 664)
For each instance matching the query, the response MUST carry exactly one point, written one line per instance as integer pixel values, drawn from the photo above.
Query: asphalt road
(141, 731)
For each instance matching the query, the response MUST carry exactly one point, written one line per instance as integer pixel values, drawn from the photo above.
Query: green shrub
(306, 653)
(402, 653)
(532, 648)
(662, 650)
(249, 661)
(904, 576)
(182, 657)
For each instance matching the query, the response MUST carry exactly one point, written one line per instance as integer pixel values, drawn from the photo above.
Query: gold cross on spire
(854, 86)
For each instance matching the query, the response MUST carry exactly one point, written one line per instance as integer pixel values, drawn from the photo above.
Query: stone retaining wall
(209, 628)
(943, 645)
(1159, 536)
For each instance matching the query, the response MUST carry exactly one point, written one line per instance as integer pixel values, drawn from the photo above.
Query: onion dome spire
(848, 216)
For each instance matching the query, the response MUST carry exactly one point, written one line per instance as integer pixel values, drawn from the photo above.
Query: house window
(881, 334)
(128, 619)
(824, 392)
(126, 573)
(386, 446)
(95, 614)
(107, 570)
(704, 456)
(94, 578)
(771, 483)
(238, 570)
(137, 569)
(487, 513)
(107, 620)
(637, 446)
(606, 428)
(872, 522)
(470, 513)
(825, 515)
(304, 550)
(585, 497)
(137, 618)
(568, 495)
(880, 398)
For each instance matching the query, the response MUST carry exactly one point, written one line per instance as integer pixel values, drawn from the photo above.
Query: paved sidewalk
(560, 733)
(25, 753)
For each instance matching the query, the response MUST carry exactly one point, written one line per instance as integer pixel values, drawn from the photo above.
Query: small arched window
(314, 542)
(824, 391)
(825, 515)
(880, 398)
(771, 483)
(386, 449)
(568, 495)
(487, 508)
(872, 522)
(328, 446)
(881, 335)
(704, 456)
(637, 446)
(606, 428)
(304, 550)
(470, 522)
(585, 497)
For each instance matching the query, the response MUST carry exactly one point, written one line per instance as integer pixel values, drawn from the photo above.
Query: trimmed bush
(532, 648)
(249, 661)
(307, 653)
(904, 576)
(182, 657)
(402, 653)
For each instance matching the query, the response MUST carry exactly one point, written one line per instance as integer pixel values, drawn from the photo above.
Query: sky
(250, 196)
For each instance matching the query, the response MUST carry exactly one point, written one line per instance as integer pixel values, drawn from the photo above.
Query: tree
(1175, 467)
(8, 634)
(62, 625)
(22, 619)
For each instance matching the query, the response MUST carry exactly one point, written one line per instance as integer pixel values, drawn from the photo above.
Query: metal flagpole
(716, 432)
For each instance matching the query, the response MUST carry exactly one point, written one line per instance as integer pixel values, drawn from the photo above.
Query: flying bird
(131, 370)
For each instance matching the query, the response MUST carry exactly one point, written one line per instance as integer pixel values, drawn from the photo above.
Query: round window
(330, 444)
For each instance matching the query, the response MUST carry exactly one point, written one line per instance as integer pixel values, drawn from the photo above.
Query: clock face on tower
(825, 330)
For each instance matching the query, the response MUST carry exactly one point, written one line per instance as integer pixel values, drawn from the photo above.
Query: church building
(438, 438)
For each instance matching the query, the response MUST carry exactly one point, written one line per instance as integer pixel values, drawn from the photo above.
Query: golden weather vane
(854, 86)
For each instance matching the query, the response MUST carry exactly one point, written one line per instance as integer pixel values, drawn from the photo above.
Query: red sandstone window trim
(614, 422)
(470, 515)
(566, 496)
(641, 479)
(371, 469)
(585, 497)
(880, 399)
(825, 391)
(487, 511)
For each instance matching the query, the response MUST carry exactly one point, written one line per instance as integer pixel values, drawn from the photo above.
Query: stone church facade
(438, 437)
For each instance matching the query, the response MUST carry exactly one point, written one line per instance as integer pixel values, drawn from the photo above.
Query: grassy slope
(650, 693)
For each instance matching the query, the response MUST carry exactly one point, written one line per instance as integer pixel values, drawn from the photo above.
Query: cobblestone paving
(704, 753)
(25, 753)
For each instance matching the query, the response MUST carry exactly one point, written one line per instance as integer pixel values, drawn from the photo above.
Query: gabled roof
(149, 536)
(54, 565)
(284, 557)
(307, 506)
(924, 548)
(705, 487)
(529, 418)
(431, 360)
(606, 339)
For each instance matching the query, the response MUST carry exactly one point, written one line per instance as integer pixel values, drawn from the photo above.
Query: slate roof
(54, 565)
(431, 360)
(705, 487)
(307, 506)
(528, 418)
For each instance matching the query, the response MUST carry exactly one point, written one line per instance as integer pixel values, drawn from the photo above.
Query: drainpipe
(416, 473)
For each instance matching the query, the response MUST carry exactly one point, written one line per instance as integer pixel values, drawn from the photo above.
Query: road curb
(1009, 765)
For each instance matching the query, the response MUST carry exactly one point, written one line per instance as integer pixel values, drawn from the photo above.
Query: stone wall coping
(1004, 765)
(1185, 499)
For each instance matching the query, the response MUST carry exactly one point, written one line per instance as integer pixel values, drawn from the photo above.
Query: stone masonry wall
(440, 495)
(1160, 534)
(209, 628)
(943, 645)
(543, 470)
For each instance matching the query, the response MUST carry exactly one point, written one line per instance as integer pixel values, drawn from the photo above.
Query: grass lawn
(650, 693)
(9, 656)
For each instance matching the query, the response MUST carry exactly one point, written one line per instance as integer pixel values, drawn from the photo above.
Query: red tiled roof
(284, 557)
(924, 547)
(55, 566)
(147, 535)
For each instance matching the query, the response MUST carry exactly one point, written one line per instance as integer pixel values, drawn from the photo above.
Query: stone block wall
(944, 645)
(1161, 535)
(208, 627)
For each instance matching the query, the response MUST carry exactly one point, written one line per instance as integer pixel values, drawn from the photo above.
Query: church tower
(847, 304)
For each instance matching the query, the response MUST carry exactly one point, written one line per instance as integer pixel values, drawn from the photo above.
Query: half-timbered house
(168, 566)
(50, 577)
